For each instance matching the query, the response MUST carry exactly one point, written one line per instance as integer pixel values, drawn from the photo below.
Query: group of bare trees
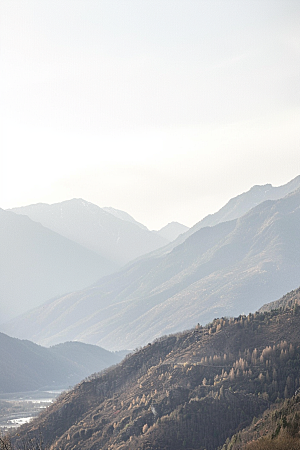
(30, 444)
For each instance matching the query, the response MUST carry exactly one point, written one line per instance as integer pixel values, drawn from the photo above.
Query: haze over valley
(149, 225)
(225, 269)
(245, 258)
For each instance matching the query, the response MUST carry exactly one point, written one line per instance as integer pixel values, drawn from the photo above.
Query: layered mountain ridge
(110, 233)
(224, 270)
(237, 207)
(37, 264)
(50, 250)
(25, 366)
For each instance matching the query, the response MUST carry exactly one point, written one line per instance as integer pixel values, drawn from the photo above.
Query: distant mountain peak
(109, 232)
(261, 187)
(220, 270)
(238, 206)
(172, 230)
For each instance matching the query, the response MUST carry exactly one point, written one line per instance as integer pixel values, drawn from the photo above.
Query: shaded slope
(191, 390)
(88, 358)
(277, 429)
(37, 264)
(224, 270)
(25, 366)
(96, 229)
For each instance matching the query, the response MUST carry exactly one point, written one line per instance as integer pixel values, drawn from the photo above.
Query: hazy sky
(163, 108)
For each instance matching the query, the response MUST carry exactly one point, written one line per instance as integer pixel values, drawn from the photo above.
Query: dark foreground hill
(37, 264)
(25, 366)
(225, 270)
(192, 390)
(277, 429)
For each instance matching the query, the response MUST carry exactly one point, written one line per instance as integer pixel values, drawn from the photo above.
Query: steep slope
(240, 205)
(277, 429)
(123, 216)
(228, 269)
(37, 264)
(236, 208)
(25, 366)
(172, 231)
(191, 390)
(92, 227)
(290, 300)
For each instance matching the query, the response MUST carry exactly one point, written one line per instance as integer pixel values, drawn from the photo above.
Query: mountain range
(37, 264)
(230, 268)
(237, 207)
(50, 250)
(196, 389)
(25, 366)
(110, 233)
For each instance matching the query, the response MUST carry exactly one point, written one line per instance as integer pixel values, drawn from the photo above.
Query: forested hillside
(191, 390)
(290, 300)
(278, 429)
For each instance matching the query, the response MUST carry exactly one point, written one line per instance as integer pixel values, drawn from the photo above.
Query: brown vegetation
(192, 390)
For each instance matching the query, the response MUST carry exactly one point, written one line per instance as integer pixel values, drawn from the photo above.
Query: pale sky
(162, 108)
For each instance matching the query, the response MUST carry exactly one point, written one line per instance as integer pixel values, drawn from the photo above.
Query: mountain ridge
(218, 271)
(194, 389)
(37, 264)
(26, 366)
(236, 207)
(113, 238)
(172, 230)
(123, 215)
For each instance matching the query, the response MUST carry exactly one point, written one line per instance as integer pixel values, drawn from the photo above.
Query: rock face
(231, 268)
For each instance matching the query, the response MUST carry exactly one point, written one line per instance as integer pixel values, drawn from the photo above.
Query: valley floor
(19, 408)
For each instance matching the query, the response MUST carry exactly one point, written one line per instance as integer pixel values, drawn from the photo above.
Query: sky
(164, 109)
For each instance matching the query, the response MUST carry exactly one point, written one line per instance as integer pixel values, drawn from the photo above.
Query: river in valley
(21, 407)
